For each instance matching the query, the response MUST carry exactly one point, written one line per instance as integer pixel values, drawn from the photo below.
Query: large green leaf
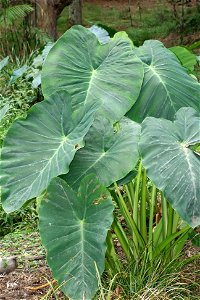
(40, 147)
(110, 155)
(73, 229)
(89, 71)
(186, 58)
(166, 149)
(166, 86)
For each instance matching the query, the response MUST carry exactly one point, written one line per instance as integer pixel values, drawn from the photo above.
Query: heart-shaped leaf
(110, 155)
(40, 147)
(110, 74)
(166, 86)
(171, 164)
(73, 229)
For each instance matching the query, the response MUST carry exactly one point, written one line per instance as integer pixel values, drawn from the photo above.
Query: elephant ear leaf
(106, 151)
(73, 229)
(169, 153)
(166, 87)
(40, 147)
(110, 74)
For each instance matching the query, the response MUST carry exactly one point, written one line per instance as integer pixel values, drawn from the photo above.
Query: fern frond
(14, 14)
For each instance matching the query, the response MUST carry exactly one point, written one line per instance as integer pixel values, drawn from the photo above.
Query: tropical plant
(108, 109)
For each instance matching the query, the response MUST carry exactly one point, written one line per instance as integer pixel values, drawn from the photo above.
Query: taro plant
(110, 108)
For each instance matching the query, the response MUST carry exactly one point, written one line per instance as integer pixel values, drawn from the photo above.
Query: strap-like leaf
(4, 62)
(166, 87)
(110, 155)
(171, 163)
(110, 74)
(3, 111)
(73, 230)
(18, 73)
(40, 147)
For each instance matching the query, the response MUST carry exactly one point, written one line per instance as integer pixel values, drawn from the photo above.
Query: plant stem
(130, 222)
(170, 219)
(151, 216)
(128, 189)
(135, 201)
(168, 240)
(164, 216)
(124, 242)
(175, 222)
(112, 257)
(143, 221)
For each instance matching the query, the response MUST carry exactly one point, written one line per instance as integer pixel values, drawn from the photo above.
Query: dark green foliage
(26, 217)
(111, 31)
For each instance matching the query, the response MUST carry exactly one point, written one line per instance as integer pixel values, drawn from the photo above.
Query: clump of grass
(140, 281)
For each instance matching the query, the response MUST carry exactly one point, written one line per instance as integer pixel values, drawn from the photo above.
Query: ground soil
(32, 279)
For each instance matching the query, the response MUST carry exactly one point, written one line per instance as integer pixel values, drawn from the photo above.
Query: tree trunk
(47, 13)
(75, 12)
(46, 16)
